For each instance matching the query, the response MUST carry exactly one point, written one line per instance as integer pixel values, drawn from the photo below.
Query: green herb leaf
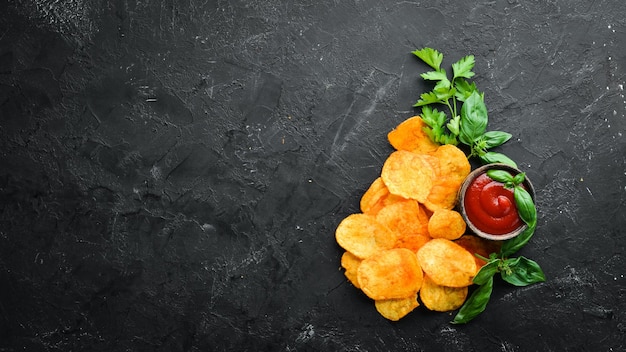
(435, 76)
(428, 98)
(473, 119)
(475, 304)
(454, 125)
(500, 176)
(519, 178)
(431, 57)
(510, 247)
(493, 157)
(523, 272)
(486, 271)
(463, 67)
(495, 138)
(464, 89)
(525, 206)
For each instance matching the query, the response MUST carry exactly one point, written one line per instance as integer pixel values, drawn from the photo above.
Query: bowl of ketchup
(488, 207)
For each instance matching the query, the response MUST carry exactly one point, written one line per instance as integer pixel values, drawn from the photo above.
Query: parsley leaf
(431, 57)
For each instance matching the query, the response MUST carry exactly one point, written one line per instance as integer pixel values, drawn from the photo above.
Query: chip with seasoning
(376, 197)
(478, 245)
(406, 219)
(390, 274)
(363, 236)
(447, 263)
(409, 135)
(408, 175)
(445, 223)
(396, 309)
(441, 298)
(350, 263)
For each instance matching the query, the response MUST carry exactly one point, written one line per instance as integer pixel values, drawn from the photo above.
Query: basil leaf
(509, 247)
(493, 157)
(495, 138)
(523, 272)
(525, 206)
(519, 178)
(475, 304)
(486, 272)
(473, 119)
(500, 176)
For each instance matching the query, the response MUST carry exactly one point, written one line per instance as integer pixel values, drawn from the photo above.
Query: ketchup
(491, 207)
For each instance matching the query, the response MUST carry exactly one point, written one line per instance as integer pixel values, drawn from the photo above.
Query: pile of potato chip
(408, 244)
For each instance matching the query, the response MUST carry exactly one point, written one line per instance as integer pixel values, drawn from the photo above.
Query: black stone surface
(172, 172)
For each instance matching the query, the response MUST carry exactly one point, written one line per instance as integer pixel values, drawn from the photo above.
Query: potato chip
(412, 242)
(396, 309)
(443, 195)
(408, 175)
(403, 217)
(376, 191)
(363, 236)
(351, 263)
(376, 197)
(447, 263)
(409, 135)
(453, 168)
(453, 164)
(390, 274)
(478, 245)
(441, 298)
(448, 224)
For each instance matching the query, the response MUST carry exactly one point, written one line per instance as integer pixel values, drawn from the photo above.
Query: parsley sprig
(467, 124)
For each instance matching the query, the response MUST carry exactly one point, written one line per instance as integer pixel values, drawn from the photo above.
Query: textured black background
(172, 172)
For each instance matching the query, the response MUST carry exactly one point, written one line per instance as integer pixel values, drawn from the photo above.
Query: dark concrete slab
(172, 172)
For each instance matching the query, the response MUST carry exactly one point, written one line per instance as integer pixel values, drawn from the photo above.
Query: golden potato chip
(453, 169)
(390, 274)
(479, 245)
(376, 197)
(408, 175)
(403, 217)
(448, 224)
(441, 298)
(447, 263)
(363, 236)
(412, 242)
(443, 195)
(376, 191)
(351, 263)
(453, 164)
(396, 309)
(409, 135)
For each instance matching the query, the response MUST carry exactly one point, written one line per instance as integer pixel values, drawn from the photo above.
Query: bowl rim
(463, 189)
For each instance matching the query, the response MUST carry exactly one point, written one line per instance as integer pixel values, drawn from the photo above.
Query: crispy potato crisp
(409, 135)
(396, 309)
(363, 236)
(448, 224)
(447, 263)
(408, 175)
(478, 245)
(390, 274)
(351, 263)
(441, 298)
(403, 217)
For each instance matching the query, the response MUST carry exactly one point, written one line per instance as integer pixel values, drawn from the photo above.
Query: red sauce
(491, 207)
